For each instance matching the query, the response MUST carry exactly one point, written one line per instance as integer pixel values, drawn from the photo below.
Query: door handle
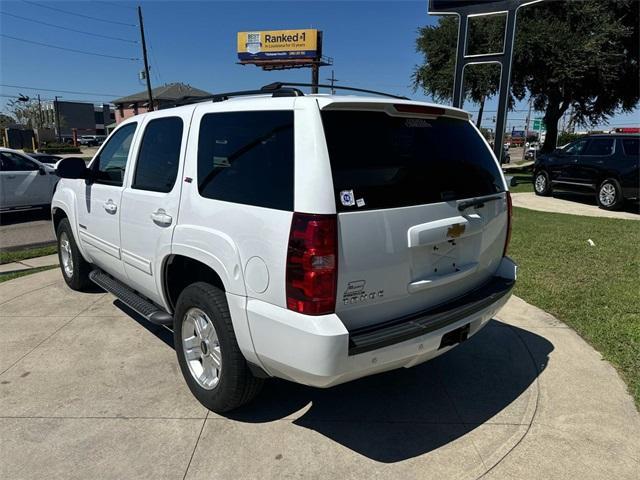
(162, 218)
(11, 176)
(110, 207)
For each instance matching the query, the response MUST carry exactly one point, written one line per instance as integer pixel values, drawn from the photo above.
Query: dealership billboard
(278, 45)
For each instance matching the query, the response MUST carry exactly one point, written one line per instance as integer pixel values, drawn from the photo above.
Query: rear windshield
(379, 161)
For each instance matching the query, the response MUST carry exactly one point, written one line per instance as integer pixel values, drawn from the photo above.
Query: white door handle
(110, 207)
(160, 217)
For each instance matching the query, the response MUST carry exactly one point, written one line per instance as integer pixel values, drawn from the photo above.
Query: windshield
(380, 161)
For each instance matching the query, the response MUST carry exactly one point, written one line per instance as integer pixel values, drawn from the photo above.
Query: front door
(24, 183)
(563, 169)
(99, 205)
(150, 202)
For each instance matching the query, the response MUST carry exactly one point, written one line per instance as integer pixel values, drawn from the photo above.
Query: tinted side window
(631, 146)
(388, 162)
(575, 148)
(159, 155)
(109, 166)
(247, 157)
(12, 162)
(599, 146)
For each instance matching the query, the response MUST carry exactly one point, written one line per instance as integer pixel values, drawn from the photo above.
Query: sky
(372, 45)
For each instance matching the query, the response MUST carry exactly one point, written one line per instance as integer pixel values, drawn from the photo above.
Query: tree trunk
(552, 116)
(479, 120)
(552, 133)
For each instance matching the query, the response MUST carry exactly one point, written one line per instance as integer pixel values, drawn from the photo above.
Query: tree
(578, 55)
(6, 121)
(438, 45)
(27, 113)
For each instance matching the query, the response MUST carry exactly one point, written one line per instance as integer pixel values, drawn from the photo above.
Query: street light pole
(57, 109)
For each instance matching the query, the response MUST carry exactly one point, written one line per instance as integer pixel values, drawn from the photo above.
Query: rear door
(406, 242)
(594, 159)
(149, 207)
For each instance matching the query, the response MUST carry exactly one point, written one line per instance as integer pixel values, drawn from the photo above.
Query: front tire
(609, 195)
(211, 362)
(542, 184)
(75, 269)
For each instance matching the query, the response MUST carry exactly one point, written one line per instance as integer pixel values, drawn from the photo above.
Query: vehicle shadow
(590, 199)
(398, 415)
(13, 218)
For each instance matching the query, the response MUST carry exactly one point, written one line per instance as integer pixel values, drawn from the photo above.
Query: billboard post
(475, 8)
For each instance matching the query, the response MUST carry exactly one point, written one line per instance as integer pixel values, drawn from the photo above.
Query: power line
(51, 99)
(60, 91)
(78, 14)
(69, 49)
(66, 28)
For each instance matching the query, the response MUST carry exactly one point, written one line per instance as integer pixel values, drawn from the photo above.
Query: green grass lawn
(595, 290)
(17, 255)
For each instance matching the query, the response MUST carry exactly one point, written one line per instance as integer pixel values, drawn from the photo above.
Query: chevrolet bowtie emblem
(456, 230)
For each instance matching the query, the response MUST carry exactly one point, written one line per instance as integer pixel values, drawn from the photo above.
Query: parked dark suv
(605, 164)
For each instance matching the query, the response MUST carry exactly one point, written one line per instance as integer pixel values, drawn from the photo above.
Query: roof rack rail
(220, 97)
(279, 85)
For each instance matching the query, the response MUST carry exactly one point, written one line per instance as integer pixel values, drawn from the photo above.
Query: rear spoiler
(398, 108)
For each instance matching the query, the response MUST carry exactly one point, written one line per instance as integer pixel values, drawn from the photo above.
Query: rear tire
(75, 269)
(609, 196)
(542, 184)
(211, 362)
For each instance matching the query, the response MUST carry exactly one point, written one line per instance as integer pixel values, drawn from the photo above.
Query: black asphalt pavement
(26, 229)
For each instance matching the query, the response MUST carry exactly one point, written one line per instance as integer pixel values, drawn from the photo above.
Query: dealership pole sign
(476, 8)
(278, 45)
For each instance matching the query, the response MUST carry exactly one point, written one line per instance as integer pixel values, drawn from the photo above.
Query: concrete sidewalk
(28, 264)
(557, 205)
(87, 391)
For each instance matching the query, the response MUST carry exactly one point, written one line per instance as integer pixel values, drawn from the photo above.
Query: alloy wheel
(65, 254)
(201, 348)
(607, 194)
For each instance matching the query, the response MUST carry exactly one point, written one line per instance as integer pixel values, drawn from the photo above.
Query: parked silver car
(24, 182)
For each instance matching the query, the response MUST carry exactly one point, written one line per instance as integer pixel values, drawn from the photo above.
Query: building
(163, 97)
(83, 118)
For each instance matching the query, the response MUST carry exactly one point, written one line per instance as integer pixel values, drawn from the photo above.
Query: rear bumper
(320, 351)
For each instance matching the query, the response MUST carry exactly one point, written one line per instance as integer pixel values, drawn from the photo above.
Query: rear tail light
(509, 222)
(312, 264)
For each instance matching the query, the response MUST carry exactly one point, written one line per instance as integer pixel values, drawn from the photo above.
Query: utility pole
(146, 62)
(57, 109)
(40, 112)
(333, 79)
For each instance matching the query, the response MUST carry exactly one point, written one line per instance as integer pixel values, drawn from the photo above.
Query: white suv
(313, 238)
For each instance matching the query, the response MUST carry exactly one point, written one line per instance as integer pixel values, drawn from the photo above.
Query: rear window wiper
(478, 201)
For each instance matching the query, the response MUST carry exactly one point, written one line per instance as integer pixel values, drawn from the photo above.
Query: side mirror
(72, 167)
(42, 171)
